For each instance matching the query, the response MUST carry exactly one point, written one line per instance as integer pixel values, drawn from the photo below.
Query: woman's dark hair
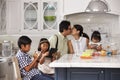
(24, 40)
(85, 35)
(43, 40)
(64, 25)
(79, 28)
(96, 35)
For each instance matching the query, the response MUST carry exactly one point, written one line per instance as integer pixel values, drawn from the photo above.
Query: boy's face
(25, 48)
(44, 47)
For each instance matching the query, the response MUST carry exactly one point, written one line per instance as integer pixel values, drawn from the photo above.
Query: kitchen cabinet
(85, 74)
(9, 16)
(14, 17)
(2, 16)
(112, 74)
(75, 6)
(40, 16)
(30, 16)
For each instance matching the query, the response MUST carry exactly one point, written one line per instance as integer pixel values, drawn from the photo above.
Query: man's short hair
(64, 25)
(24, 40)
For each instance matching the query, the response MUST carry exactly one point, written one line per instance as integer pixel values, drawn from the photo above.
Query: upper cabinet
(30, 15)
(2, 16)
(40, 16)
(75, 6)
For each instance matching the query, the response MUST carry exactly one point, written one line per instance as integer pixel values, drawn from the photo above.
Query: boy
(28, 68)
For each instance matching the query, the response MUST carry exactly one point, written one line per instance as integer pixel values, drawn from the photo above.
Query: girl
(80, 41)
(43, 48)
(95, 41)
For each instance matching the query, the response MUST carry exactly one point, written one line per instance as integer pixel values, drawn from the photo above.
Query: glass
(49, 15)
(6, 49)
(30, 15)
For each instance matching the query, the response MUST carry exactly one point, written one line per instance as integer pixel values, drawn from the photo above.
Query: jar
(6, 48)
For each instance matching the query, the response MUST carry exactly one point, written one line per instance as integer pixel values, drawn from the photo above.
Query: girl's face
(95, 40)
(74, 31)
(44, 46)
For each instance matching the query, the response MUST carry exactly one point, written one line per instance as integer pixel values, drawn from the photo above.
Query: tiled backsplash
(107, 24)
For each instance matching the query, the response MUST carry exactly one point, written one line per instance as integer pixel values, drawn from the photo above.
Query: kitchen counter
(72, 67)
(70, 60)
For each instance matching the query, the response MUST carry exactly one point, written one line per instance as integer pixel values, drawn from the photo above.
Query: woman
(80, 42)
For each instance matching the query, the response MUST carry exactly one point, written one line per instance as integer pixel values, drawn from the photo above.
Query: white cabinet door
(30, 15)
(2, 16)
(114, 6)
(50, 15)
(40, 16)
(13, 16)
(75, 6)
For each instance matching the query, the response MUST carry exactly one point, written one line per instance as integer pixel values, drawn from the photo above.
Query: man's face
(68, 31)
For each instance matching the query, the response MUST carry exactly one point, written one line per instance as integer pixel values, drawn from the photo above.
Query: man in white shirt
(64, 30)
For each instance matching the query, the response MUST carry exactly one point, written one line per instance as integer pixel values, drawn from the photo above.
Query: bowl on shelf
(49, 18)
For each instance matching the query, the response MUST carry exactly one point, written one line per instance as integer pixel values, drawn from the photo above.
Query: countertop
(71, 60)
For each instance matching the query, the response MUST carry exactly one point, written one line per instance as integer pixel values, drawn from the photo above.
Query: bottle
(109, 53)
(6, 48)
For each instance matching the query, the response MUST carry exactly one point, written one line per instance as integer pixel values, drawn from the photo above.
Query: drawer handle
(102, 72)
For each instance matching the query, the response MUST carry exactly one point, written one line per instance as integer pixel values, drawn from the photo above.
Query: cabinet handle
(102, 72)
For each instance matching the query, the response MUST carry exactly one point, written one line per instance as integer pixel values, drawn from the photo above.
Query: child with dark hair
(95, 41)
(28, 68)
(43, 47)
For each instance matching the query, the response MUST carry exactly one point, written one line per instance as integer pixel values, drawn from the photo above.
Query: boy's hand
(35, 55)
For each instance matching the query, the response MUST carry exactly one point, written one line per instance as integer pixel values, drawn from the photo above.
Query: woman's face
(74, 31)
(44, 46)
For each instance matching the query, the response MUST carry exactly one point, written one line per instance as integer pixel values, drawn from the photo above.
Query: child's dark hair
(43, 40)
(79, 28)
(96, 35)
(85, 35)
(24, 40)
